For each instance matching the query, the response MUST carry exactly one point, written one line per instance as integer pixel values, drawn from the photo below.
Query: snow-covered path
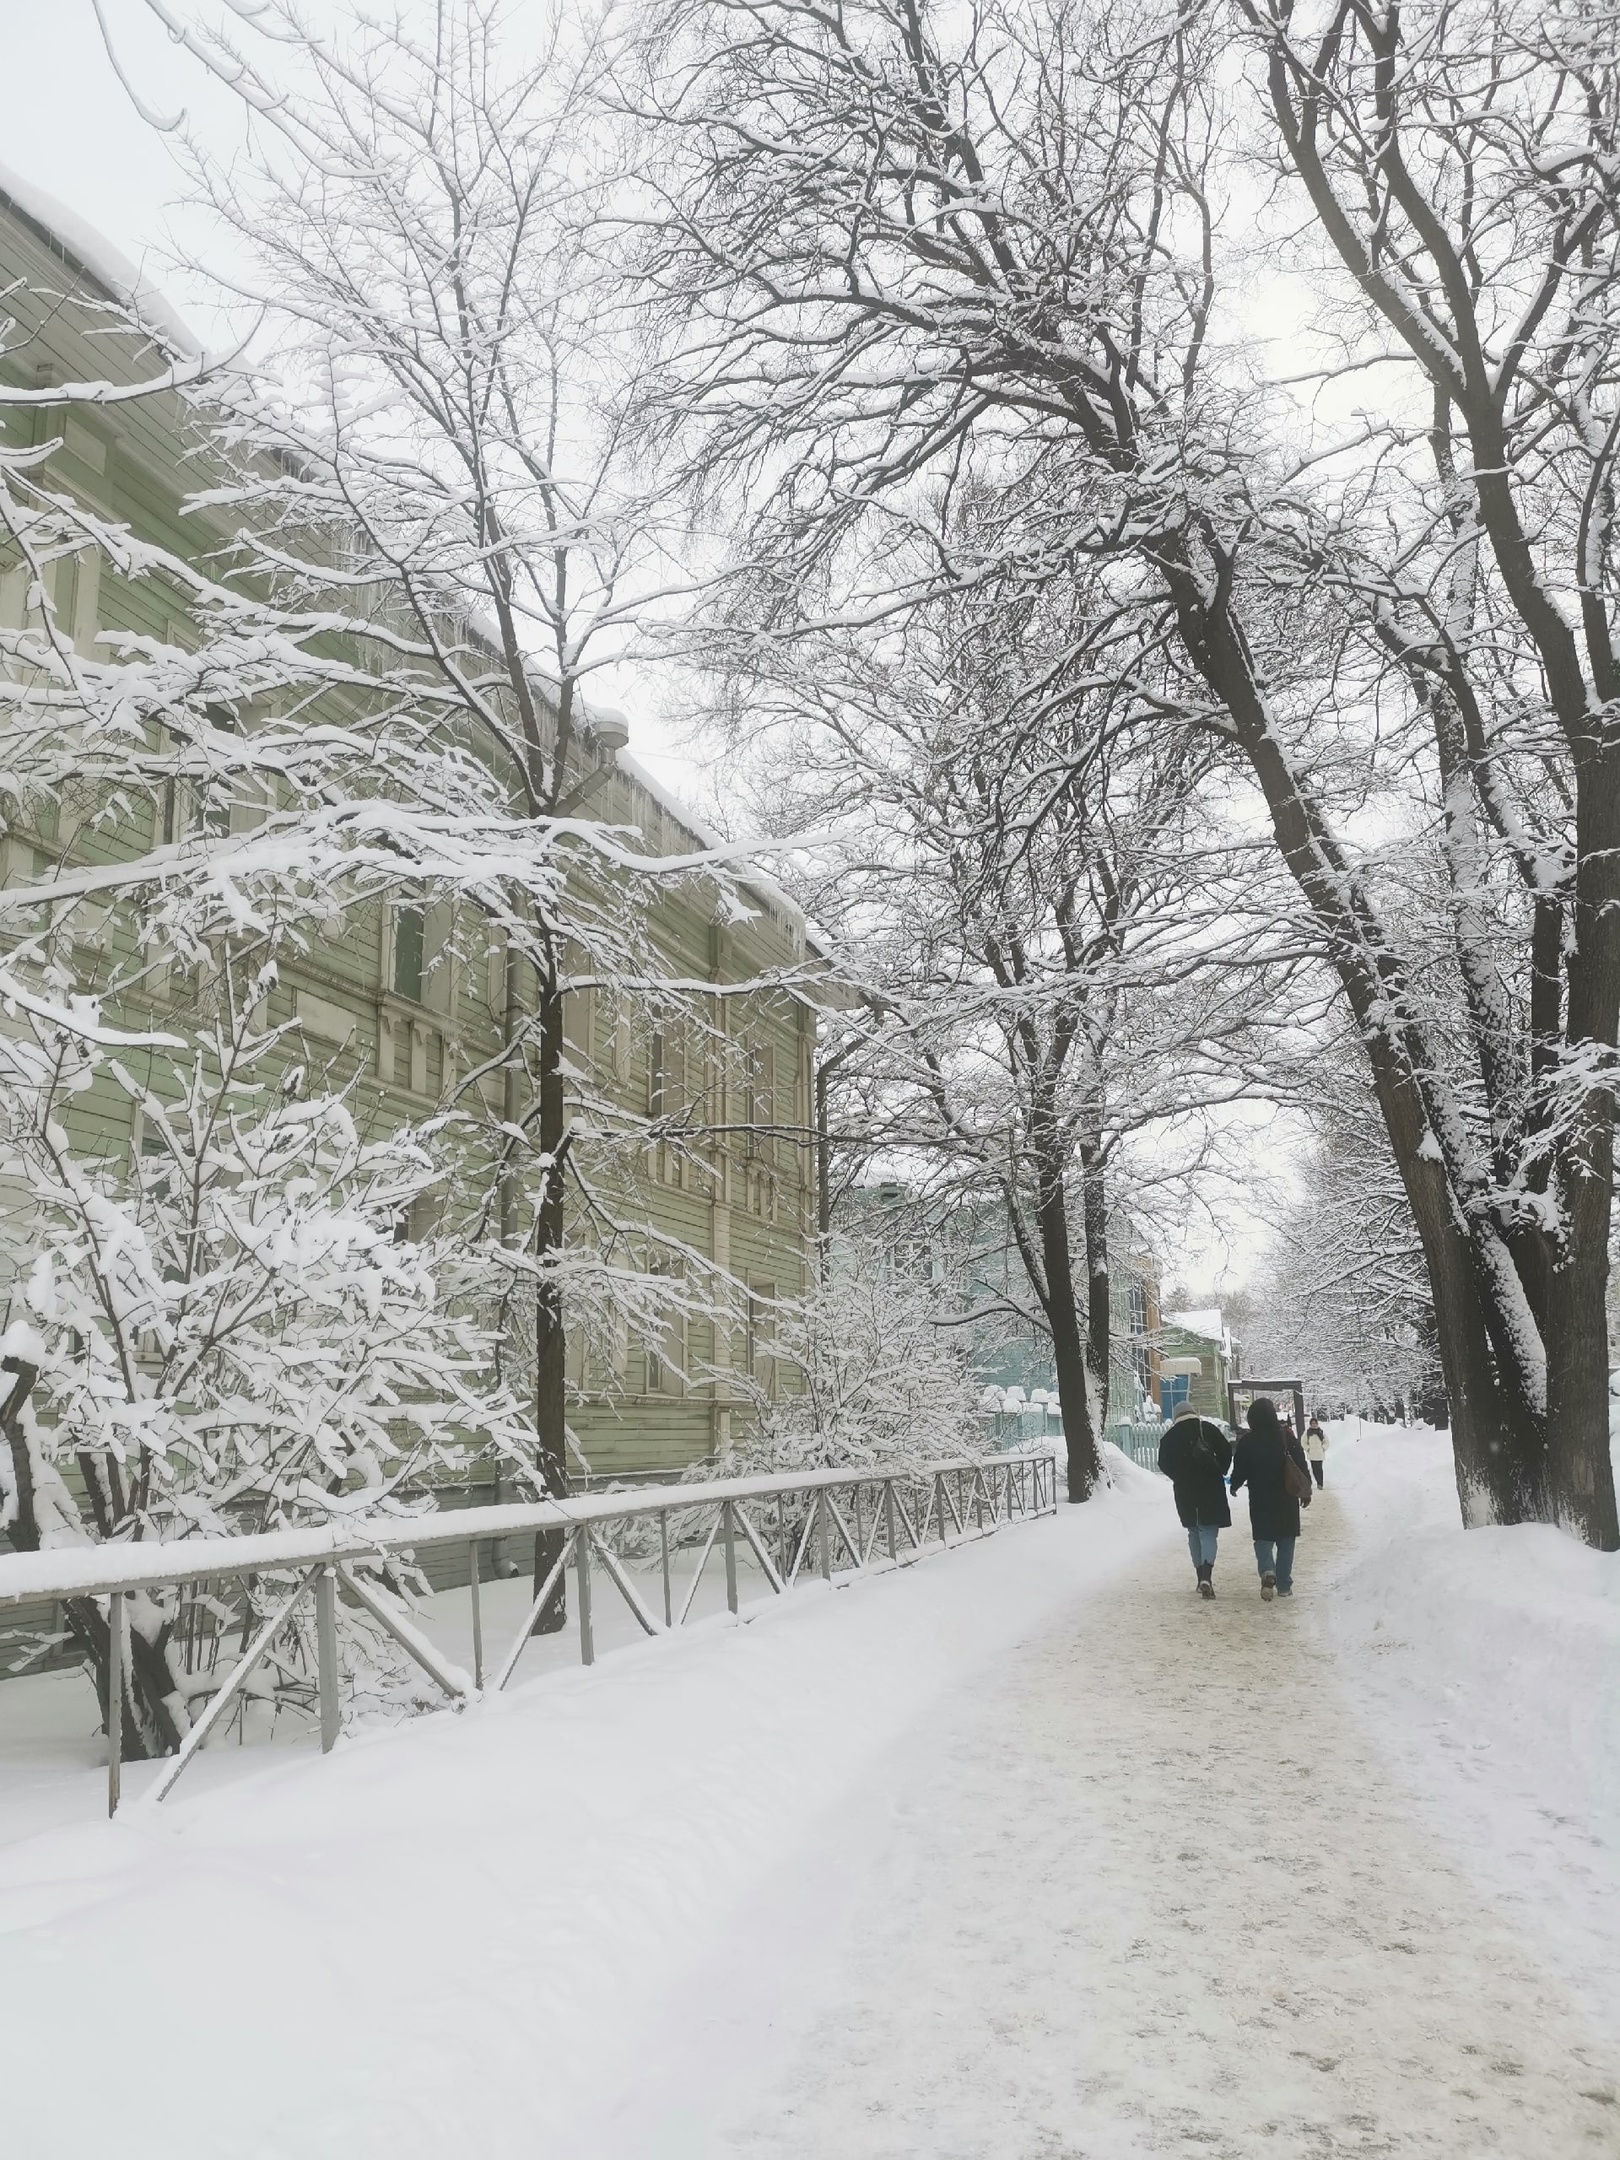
(1021, 1854)
(1161, 1897)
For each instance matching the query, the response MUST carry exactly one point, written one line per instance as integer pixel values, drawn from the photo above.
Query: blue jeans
(1275, 1556)
(1201, 1543)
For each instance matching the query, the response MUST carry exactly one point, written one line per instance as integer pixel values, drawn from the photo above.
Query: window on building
(609, 1357)
(65, 595)
(759, 1354)
(410, 950)
(213, 798)
(577, 1019)
(759, 1101)
(666, 1359)
(155, 1166)
(674, 1070)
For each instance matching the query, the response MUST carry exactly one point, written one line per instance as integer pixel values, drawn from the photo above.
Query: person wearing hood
(1195, 1456)
(1273, 1467)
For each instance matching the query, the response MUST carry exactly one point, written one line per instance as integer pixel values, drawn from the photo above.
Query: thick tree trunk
(1100, 1318)
(1532, 1438)
(1529, 1433)
(823, 1176)
(1579, 1492)
(1068, 1343)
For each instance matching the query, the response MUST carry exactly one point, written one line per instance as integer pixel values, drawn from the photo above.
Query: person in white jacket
(1315, 1449)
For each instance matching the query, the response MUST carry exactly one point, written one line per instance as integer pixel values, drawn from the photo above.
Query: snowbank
(1126, 1476)
(475, 1934)
(1488, 1663)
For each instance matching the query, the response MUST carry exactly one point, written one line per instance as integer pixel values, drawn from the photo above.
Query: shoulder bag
(1296, 1482)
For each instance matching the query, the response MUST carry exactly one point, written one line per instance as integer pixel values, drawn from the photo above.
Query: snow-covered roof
(763, 886)
(112, 270)
(1206, 1322)
(756, 881)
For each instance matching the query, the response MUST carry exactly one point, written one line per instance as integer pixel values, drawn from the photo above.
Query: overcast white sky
(72, 128)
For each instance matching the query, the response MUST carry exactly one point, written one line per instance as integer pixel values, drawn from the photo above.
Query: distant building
(1133, 1299)
(969, 1246)
(1205, 1336)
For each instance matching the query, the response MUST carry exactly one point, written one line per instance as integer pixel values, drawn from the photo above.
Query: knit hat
(1184, 1409)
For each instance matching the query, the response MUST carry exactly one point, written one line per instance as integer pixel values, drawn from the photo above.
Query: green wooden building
(399, 1003)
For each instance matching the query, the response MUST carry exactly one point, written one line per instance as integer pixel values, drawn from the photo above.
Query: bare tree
(1059, 957)
(188, 811)
(987, 247)
(442, 391)
(1341, 1295)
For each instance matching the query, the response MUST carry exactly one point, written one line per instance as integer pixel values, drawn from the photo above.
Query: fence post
(940, 1503)
(326, 1656)
(582, 1576)
(730, 1531)
(115, 1699)
(477, 1616)
(663, 1556)
(888, 1513)
(824, 1535)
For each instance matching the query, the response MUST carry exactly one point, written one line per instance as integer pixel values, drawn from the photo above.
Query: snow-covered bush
(224, 1330)
(860, 1370)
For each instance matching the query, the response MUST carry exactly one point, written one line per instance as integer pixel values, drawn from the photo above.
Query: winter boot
(1206, 1582)
(1268, 1587)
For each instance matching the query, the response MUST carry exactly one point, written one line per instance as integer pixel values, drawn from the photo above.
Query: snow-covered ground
(1488, 1666)
(51, 1744)
(1022, 1852)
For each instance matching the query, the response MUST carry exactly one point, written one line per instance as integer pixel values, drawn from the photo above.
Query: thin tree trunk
(550, 1339)
(150, 1727)
(550, 1400)
(823, 1175)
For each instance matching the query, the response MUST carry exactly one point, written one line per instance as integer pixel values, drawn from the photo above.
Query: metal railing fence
(829, 1521)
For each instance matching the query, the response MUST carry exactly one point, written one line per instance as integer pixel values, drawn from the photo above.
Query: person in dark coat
(1195, 1456)
(1262, 1450)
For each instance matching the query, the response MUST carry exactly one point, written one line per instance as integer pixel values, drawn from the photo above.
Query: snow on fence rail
(842, 1514)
